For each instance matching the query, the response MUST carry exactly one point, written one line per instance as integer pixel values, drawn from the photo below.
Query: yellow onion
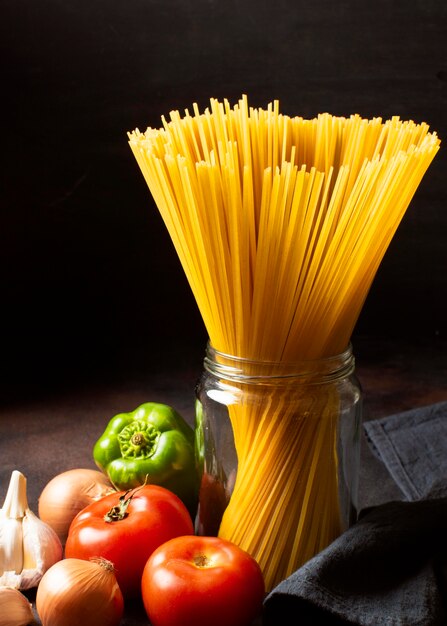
(15, 609)
(74, 591)
(68, 493)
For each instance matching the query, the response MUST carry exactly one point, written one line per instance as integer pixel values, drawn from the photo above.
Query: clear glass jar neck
(318, 371)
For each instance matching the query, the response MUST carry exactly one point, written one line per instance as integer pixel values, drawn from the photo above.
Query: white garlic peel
(15, 610)
(28, 546)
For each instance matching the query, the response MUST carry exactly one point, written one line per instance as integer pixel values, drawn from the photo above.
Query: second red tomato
(198, 581)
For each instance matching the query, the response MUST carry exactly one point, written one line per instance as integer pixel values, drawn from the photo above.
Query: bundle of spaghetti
(280, 224)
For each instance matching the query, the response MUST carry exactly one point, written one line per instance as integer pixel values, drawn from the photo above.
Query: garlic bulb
(28, 546)
(15, 610)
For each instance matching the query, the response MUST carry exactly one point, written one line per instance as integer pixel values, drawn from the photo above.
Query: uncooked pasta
(280, 224)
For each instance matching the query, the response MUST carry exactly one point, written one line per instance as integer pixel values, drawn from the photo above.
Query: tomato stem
(201, 560)
(119, 511)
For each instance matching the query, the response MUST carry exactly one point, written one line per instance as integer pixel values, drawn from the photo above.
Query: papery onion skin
(15, 609)
(68, 493)
(74, 592)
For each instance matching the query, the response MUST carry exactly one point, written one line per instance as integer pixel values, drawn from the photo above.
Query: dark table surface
(48, 432)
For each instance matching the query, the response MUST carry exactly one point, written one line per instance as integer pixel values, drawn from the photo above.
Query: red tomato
(152, 516)
(198, 581)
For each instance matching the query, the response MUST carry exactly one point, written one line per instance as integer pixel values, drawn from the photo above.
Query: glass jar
(278, 449)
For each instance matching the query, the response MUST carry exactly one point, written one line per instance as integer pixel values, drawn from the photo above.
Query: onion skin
(75, 592)
(15, 609)
(68, 493)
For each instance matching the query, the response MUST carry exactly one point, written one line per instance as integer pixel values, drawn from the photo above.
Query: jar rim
(344, 354)
(237, 368)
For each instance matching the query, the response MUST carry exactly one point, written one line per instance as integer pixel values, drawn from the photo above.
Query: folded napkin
(413, 447)
(390, 568)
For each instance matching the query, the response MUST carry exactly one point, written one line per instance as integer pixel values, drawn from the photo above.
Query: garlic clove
(16, 502)
(15, 610)
(11, 540)
(41, 549)
(28, 546)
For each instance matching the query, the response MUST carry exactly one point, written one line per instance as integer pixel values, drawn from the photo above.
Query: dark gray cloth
(390, 568)
(413, 447)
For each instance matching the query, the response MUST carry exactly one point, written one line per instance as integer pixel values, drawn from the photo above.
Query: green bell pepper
(153, 443)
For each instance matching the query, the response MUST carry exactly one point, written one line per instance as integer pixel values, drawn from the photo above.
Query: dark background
(90, 284)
